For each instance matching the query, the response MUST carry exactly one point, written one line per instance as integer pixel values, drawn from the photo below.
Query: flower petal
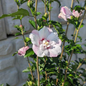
(59, 42)
(34, 36)
(44, 32)
(66, 10)
(62, 16)
(37, 51)
(22, 51)
(53, 37)
(76, 13)
(55, 51)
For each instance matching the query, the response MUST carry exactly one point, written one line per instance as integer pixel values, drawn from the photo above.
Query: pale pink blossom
(45, 42)
(76, 13)
(22, 51)
(65, 13)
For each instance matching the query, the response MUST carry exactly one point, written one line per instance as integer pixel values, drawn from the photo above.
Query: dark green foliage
(54, 67)
(32, 23)
(29, 53)
(21, 12)
(78, 8)
(20, 2)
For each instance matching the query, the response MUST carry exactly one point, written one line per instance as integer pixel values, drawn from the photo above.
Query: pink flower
(65, 13)
(45, 42)
(76, 13)
(22, 51)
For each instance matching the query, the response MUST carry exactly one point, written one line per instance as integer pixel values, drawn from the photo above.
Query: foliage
(52, 70)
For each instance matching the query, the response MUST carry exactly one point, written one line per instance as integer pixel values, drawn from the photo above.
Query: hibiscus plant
(52, 51)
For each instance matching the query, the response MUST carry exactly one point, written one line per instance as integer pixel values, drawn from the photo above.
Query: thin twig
(27, 57)
(45, 6)
(81, 63)
(45, 71)
(36, 1)
(25, 45)
(49, 13)
(72, 3)
(37, 63)
(64, 42)
(45, 57)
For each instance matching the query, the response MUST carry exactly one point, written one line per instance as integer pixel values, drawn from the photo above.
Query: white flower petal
(44, 32)
(53, 37)
(55, 51)
(46, 53)
(34, 39)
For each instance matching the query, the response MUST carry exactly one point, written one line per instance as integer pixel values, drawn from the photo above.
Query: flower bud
(76, 14)
(21, 26)
(65, 13)
(29, 3)
(46, 14)
(30, 83)
(71, 17)
(22, 51)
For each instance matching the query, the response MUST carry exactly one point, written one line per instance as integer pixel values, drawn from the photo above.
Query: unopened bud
(71, 17)
(29, 3)
(38, 27)
(21, 26)
(30, 83)
(46, 14)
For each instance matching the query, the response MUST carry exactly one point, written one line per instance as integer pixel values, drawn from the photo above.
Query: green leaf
(29, 53)
(17, 2)
(18, 33)
(38, 13)
(14, 53)
(78, 8)
(17, 38)
(77, 1)
(26, 70)
(27, 39)
(18, 27)
(71, 80)
(32, 23)
(70, 75)
(67, 83)
(1, 84)
(18, 17)
(20, 12)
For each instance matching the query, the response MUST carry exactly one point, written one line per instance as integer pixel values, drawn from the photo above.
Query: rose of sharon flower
(45, 42)
(22, 51)
(65, 13)
(76, 13)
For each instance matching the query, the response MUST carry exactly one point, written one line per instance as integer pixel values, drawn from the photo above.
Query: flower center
(46, 43)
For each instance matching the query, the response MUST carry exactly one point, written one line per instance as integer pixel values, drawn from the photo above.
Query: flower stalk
(64, 41)
(37, 63)
(49, 12)
(25, 45)
(38, 71)
(45, 6)
(45, 57)
(35, 12)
